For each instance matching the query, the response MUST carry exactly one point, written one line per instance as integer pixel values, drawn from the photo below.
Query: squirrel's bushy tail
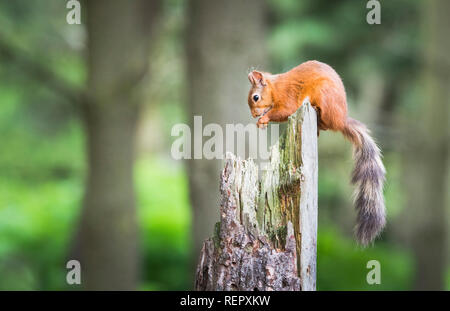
(368, 176)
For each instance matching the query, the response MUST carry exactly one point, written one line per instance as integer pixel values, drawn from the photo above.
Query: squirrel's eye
(255, 97)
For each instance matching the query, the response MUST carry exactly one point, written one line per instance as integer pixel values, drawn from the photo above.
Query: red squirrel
(274, 97)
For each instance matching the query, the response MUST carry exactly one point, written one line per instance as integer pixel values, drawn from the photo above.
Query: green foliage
(40, 191)
(42, 171)
(36, 224)
(164, 216)
(38, 219)
(341, 264)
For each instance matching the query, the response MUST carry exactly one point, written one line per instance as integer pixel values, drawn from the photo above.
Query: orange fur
(285, 94)
(276, 97)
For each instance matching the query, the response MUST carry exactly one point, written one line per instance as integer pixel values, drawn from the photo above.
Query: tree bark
(224, 39)
(118, 46)
(267, 235)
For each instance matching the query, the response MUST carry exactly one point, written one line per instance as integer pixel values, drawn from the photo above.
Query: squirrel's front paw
(262, 123)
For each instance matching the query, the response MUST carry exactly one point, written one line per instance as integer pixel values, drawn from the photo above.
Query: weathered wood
(267, 234)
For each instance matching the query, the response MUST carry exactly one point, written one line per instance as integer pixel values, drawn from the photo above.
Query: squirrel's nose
(257, 112)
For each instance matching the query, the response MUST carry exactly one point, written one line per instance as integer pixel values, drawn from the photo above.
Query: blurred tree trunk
(118, 52)
(426, 159)
(224, 39)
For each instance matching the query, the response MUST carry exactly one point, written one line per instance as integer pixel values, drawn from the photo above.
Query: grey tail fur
(368, 175)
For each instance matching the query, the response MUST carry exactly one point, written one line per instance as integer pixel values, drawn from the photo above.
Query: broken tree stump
(267, 235)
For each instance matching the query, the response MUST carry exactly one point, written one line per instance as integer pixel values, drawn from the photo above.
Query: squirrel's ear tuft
(256, 77)
(251, 79)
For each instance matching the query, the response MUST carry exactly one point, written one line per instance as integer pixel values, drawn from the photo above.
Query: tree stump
(267, 235)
